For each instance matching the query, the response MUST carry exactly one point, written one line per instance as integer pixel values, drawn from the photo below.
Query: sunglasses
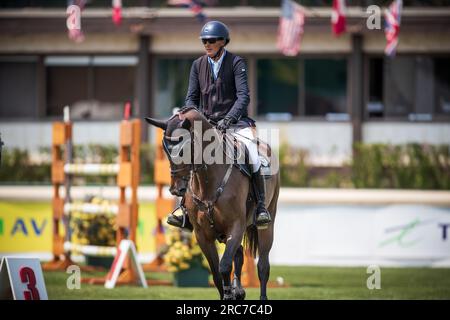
(211, 40)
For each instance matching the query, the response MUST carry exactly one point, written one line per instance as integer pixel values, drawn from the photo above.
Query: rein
(208, 205)
(191, 170)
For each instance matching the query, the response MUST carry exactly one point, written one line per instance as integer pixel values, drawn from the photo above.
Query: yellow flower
(187, 255)
(177, 245)
(94, 229)
(184, 266)
(183, 251)
(172, 269)
(196, 250)
(205, 263)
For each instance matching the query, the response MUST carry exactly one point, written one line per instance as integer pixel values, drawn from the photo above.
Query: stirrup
(180, 221)
(263, 219)
(174, 220)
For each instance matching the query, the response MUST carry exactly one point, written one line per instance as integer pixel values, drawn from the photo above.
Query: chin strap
(218, 53)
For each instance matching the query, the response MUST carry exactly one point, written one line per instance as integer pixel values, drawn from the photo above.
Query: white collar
(219, 62)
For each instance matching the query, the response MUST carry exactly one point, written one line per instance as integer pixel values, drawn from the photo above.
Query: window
(18, 87)
(412, 87)
(398, 79)
(442, 85)
(302, 87)
(114, 84)
(278, 86)
(375, 103)
(172, 85)
(94, 87)
(325, 86)
(66, 86)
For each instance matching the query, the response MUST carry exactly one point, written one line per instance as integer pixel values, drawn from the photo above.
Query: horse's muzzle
(177, 192)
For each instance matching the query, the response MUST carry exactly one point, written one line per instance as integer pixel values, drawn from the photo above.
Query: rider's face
(212, 48)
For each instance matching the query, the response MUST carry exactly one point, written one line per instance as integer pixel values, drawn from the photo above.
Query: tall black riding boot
(262, 215)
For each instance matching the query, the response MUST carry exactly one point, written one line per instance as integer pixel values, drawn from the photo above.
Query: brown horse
(218, 200)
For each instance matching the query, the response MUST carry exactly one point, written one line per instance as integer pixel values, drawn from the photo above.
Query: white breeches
(247, 137)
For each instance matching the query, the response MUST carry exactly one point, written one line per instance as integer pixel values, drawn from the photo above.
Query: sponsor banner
(395, 235)
(26, 228)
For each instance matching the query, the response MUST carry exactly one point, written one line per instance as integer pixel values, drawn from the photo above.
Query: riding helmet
(215, 29)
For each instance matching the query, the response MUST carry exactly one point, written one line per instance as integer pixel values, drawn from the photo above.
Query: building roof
(143, 20)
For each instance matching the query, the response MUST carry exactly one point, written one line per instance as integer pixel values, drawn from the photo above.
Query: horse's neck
(206, 181)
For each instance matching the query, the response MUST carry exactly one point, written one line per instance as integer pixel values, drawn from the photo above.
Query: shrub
(89, 229)
(19, 167)
(293, 170)
(410, 166)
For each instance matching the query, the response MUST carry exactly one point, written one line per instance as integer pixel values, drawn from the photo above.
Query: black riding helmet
(215, 29)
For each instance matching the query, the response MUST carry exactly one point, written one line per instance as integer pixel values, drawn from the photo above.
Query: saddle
(242, 161)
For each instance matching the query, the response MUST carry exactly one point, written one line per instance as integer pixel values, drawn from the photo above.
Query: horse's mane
(185, 109)
(201, 116)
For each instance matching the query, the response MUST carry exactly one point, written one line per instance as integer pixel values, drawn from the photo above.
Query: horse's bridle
(190, 169)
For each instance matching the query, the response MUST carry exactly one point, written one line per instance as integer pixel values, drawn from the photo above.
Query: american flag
(196, 7)
(290, 28)
(392, 19)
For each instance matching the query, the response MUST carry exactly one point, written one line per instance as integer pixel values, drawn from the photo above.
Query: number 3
(27, 276)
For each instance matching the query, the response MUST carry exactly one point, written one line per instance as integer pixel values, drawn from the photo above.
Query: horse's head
(178, 146)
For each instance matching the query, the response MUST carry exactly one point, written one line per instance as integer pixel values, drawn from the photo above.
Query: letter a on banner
(125, 247)
(22, 279)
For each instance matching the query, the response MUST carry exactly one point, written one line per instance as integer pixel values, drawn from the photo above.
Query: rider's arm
(193, 94)
(243, 98)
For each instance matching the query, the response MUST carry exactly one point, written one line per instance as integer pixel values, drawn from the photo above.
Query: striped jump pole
(92, 169)
(89, 250)
(91, 208)
(127, 171)
(163, 205)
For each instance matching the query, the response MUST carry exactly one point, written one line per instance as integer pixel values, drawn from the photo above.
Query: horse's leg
(226, 263)
(265, 240)
(210, 251)
(239, 292)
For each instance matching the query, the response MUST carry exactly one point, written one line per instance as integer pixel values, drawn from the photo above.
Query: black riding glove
(225, 123)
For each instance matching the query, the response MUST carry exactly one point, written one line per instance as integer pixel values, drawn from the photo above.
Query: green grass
(302, 283)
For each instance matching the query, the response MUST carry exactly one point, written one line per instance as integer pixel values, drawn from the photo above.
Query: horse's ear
(186, 124)
(157, 123)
